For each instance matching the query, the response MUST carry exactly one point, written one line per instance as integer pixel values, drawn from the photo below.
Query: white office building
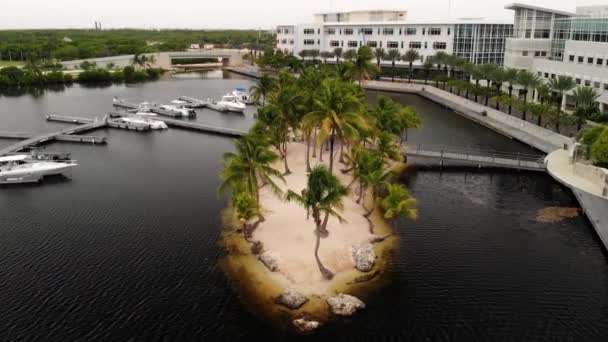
(477, 40)
(553, 43)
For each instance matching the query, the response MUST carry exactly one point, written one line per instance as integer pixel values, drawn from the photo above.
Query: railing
(511, 159)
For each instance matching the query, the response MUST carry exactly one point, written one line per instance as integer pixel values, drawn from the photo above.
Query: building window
(309, 31)
(596, 85)
(352, 43)
(291, 42)
(590, 60)
(319, 41)
(423, 31)
(348, 31)
(387, 31)
(309, 42)
(402, 45)
(367, 31)
(434, 31)
(546, 75)
(543, 53)
(449, 31)
(524, 53)
(540, 74)
(284, 41)
(334, 43)
(400, 31)
(536, 53)
(415, 45)
(600, 61)
(439, 45)
(587, 83)
(572, 58)
(578, 81)
(606, 86)
(426, 45)
(410, 31)
(392, 45)
(372, 44)
(331, 31)
(581, 59)
(318, 31)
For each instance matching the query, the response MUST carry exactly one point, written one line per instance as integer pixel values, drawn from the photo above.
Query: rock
(292, 299)
(269, 261)
(345, 305)
(365, 257)
(304, 325)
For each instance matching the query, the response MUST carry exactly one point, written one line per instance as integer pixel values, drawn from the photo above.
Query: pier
(153, 108)
(480, 158)
(65, 137)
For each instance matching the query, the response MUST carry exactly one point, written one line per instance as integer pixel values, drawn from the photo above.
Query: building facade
(474, 39)
(554, 43)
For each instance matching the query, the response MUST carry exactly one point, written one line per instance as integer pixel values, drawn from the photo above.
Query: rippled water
(127, 249)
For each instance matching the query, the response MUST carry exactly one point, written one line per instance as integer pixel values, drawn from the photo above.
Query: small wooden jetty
(65, 137)
(478, 157)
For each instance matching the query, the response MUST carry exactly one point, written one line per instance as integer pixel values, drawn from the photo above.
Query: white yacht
(243, 96)
(144, 120)
(181, 111)
(24, 168)
(232, 104)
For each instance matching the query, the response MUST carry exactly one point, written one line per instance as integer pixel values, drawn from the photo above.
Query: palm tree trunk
(510, 95)
(321, 151)
(314, 145)
(393, 72)
(341, 153)
(308, 169)
(523, 117)
(287, 171)
(477, 83)
(410, 75)
(331, 151)
(327, 274)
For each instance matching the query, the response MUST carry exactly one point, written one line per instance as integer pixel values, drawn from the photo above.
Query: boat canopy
(17, 157)
(242, 90)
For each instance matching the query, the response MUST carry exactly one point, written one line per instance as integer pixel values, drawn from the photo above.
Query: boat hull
(28, 176)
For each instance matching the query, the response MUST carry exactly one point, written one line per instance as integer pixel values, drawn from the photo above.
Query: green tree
(599, 149)
(338, 53)
(511, 77)
(262, 88)
(380, 54)
(349, 54)
(323, 195)
(486, 72)
(527, 80)
(362, 67)
(410, 57)
(393, 55)
(246, 210)
(409, 119)
(562, 85)
(250, 167)
(398, 202)
(586, 106)
(326, 55)
(427, 67)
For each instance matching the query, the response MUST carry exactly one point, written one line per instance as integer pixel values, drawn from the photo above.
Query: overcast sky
(197, 14)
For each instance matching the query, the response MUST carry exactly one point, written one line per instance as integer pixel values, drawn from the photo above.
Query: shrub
(68, 78)
(96, 75)
(590, 135)
(128, 73)
(55, 77)
(599, 149)
(154, 74)
(118, 76)
(140, 76)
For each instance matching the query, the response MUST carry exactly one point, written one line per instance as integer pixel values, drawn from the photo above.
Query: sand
(289, 236)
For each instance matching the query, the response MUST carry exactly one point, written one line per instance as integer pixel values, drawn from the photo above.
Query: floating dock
(152, 107)
(65, 137)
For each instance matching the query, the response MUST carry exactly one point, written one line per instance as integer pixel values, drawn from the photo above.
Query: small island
(307, 236)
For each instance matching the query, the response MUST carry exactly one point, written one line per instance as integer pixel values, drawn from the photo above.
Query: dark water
(127, 249)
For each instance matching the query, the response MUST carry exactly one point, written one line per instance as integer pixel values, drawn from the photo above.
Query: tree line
(326, 108)
(72, 44)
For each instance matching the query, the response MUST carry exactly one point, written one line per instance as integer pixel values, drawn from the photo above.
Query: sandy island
(289, 238)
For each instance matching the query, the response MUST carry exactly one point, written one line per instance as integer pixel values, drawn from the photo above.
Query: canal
(127, 249)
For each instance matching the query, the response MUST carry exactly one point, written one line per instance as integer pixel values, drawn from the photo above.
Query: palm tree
(498, 78)
(323, 194)
(409, 119)
(363, 68)
(338, 53)
(398, 202)
(150, 61)
(393, 55)
(337, 114)
(510, 77)
(262, 88)
(527, 80)
(349, 54)
(375, 180)
(586, 106)
(562, 85)
(314, 53)
(326, 55)
(427, 66)
(544, 92)
(139, 60)
(410, 57)
(246, 210)
(486, 72)
(380, 54)
(474, 70)
(303, 54)
(249, 167)
(388, 147)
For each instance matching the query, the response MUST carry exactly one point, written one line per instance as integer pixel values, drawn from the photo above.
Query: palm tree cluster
(325, 108)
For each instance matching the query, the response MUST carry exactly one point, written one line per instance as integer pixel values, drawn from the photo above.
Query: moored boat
(26, 168)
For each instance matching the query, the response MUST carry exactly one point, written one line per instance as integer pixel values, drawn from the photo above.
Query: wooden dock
(128, 125)
(152, 107)
(192, 126)
(69, 119)
(65, 137)
(480, 158)
(51, 136)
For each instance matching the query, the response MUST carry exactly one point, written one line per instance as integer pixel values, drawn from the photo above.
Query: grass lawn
(9, 63)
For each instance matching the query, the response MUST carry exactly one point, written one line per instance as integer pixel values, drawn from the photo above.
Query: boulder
(292, 299)
(269, 261)
(305, 325)
(365, 257)
(345, 305)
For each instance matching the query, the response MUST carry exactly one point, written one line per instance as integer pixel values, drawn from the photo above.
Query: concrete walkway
(587, 190)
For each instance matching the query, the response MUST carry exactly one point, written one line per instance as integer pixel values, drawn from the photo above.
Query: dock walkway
(488, 158)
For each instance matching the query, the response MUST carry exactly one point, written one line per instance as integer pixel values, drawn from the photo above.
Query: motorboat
(243, 96)
(232, 104)
(144, 120)
(25, 168)
(180, 111)
(190, 102)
